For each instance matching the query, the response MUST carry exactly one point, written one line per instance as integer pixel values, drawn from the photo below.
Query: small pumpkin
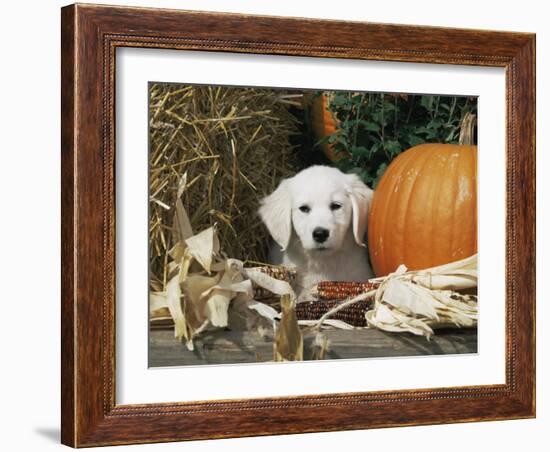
(424, 210)
(324, 124)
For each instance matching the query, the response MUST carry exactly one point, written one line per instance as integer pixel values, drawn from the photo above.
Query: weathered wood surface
(224, 347)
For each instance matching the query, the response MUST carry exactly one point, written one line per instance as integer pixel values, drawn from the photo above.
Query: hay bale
(234, 145)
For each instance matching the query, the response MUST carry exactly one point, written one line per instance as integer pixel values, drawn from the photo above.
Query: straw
(234, 145)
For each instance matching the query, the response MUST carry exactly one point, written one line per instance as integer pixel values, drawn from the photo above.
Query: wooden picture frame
(90, 36)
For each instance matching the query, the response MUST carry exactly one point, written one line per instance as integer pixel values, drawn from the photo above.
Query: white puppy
(319, 219)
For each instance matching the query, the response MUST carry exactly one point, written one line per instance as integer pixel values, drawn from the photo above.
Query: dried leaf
(219, 296)
(459, 280)
(338, 324)
(158, 309)
(392, 320)
(203, 246)
(289, 344)
(264, 310)
(177, 252)
(249, 315)
(182, 185)
(157, 300)
(182, 224)
(194, 286)
(216, 307)
(419, 301)
(458, 275)
(173, 298)
(320, 346)
(409, 298)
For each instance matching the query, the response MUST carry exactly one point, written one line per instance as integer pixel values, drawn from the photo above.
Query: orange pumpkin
(424, 210)
(324, 124)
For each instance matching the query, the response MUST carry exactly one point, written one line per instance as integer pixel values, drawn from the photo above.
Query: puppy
(319, 218)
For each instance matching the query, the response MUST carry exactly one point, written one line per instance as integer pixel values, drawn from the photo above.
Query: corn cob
(339, 290)
(281, 273)
(353, 314)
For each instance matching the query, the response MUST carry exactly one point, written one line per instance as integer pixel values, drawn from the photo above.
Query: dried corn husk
(289, 343)
(415, 301)
(458, 275)
(420, 301)
(203, 283)
(320, 346)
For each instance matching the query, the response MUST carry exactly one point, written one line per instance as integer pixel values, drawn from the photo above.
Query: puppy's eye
(335, 206)
(305, 208)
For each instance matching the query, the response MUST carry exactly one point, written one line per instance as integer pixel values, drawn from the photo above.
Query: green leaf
(345, 165)
(414, 140)
(375, 148)
(393, 147)
(450, 136)
(379, 173)
(404, 122)
(339, 100)
(381, 169)
(359, 152)
(434, 124)
(370, 126)
(389, 107)
(340, 147)
(427, 102)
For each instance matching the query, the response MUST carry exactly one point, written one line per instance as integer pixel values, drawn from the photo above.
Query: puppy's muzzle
(320, 235)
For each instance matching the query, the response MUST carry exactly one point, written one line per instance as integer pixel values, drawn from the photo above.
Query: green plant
(373, 128)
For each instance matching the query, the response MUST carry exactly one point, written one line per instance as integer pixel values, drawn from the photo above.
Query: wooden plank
(224, 347)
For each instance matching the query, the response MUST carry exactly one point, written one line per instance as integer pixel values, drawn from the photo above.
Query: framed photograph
(281, 225)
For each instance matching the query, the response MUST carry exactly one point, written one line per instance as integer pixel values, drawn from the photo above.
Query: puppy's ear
(361, 197)
(275, 211)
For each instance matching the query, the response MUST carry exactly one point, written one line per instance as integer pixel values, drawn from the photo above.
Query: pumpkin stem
(467, 125)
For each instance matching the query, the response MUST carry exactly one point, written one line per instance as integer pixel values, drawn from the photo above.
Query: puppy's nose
(320, 235)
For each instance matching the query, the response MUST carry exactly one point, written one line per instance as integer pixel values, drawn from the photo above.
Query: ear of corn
(339, 290)
(353, 314)
(281, 273)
